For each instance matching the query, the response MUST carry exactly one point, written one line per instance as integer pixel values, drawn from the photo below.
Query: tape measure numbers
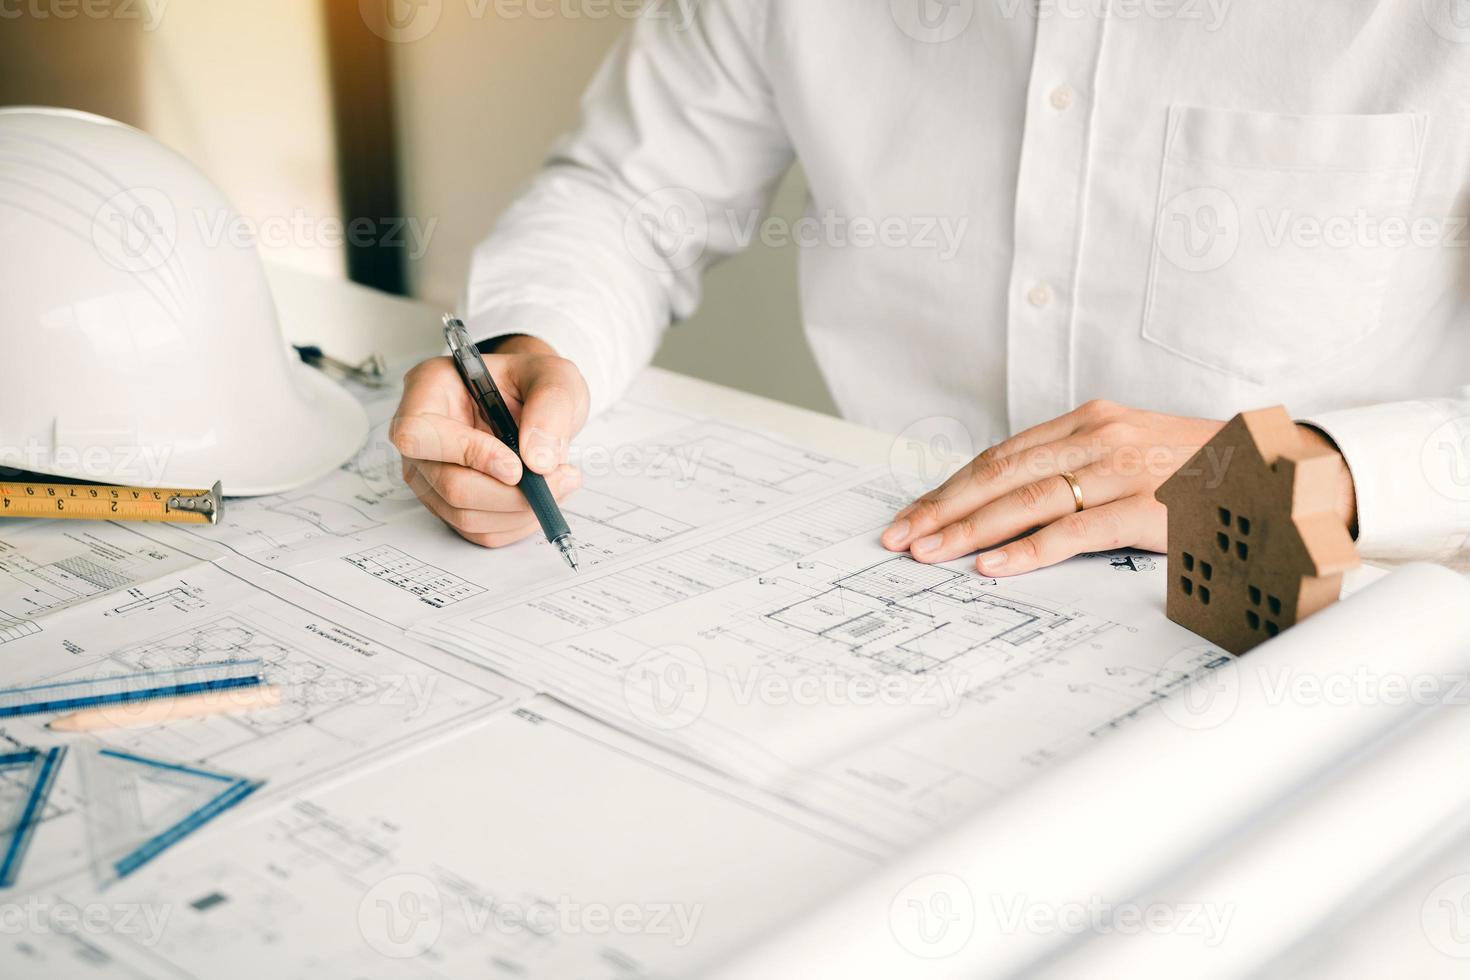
(107, 503)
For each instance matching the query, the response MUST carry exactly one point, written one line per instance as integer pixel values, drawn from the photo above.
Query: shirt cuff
(565, 336)
(1410, 463)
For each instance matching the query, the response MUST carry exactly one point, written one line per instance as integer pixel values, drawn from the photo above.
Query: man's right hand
(464, 474)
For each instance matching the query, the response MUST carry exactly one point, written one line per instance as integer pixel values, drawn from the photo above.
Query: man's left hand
(1119, 457)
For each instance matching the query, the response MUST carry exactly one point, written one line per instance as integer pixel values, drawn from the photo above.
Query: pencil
(168, 709)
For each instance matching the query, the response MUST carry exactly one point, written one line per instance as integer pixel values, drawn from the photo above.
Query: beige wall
(483, 88)
(242, 90)
(239, 88)
(481, 97)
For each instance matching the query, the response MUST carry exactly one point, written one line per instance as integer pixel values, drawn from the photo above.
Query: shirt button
(1039, 295)
(1062, 97)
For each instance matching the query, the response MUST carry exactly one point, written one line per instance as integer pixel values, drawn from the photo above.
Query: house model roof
(1261, 456)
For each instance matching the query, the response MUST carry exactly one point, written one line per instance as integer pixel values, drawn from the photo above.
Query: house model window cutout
(1255, 543)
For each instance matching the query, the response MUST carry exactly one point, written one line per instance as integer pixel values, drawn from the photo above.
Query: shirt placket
(1049, 209)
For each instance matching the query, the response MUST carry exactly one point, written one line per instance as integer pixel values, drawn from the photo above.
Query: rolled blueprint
(1243, 907)
(1032, 874)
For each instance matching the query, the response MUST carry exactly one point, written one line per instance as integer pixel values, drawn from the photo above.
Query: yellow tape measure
(104, 503)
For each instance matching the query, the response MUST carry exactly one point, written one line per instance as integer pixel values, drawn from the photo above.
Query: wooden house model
(1255, 543)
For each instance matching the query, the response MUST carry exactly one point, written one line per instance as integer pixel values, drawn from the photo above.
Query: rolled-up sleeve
(1411, 471)
(680, 145)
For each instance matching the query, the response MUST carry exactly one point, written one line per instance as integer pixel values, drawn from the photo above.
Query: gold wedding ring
(1071, 479)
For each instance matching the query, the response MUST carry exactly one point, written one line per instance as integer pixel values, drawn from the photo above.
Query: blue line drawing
(139, 807)
(93, 692)
(29, 775)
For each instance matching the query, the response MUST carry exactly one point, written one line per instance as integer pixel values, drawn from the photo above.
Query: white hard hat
(139, 342)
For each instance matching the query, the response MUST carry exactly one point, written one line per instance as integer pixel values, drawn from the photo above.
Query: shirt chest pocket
(1277, 235)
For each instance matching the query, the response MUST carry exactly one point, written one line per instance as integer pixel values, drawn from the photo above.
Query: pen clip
(477, 378)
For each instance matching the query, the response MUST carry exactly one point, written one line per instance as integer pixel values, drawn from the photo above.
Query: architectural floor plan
(352, 692)
(770, 674)
(44, 569)
(337, 882)
(651, 475)
(794, 651)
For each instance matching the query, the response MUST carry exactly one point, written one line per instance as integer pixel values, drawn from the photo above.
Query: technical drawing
(51, 585)
(328, 516)
(333, 841)
(717, 471)
(12, 628)
(428, 584)
(138, 806)
(44, 570)
(283, 525)
(793, 618)
(317, 686)
(178, 597)
(917, 618)
(1190, 664)
(623, 517)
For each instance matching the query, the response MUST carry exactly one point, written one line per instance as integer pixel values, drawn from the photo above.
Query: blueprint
(793, 651)
(375, 877)
(770, 675)
(651, 474)
(319, 585)
(353, 693)
(46, 567)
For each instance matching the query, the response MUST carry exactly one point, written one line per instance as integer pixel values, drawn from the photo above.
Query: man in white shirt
(1018, 207)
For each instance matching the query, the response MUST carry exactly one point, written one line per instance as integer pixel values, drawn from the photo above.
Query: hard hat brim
(326, 432)
(333, 434)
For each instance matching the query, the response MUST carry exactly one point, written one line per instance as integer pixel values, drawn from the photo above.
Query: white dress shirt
(1191, 206)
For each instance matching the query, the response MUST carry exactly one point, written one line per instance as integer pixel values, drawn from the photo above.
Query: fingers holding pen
(480, 508)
